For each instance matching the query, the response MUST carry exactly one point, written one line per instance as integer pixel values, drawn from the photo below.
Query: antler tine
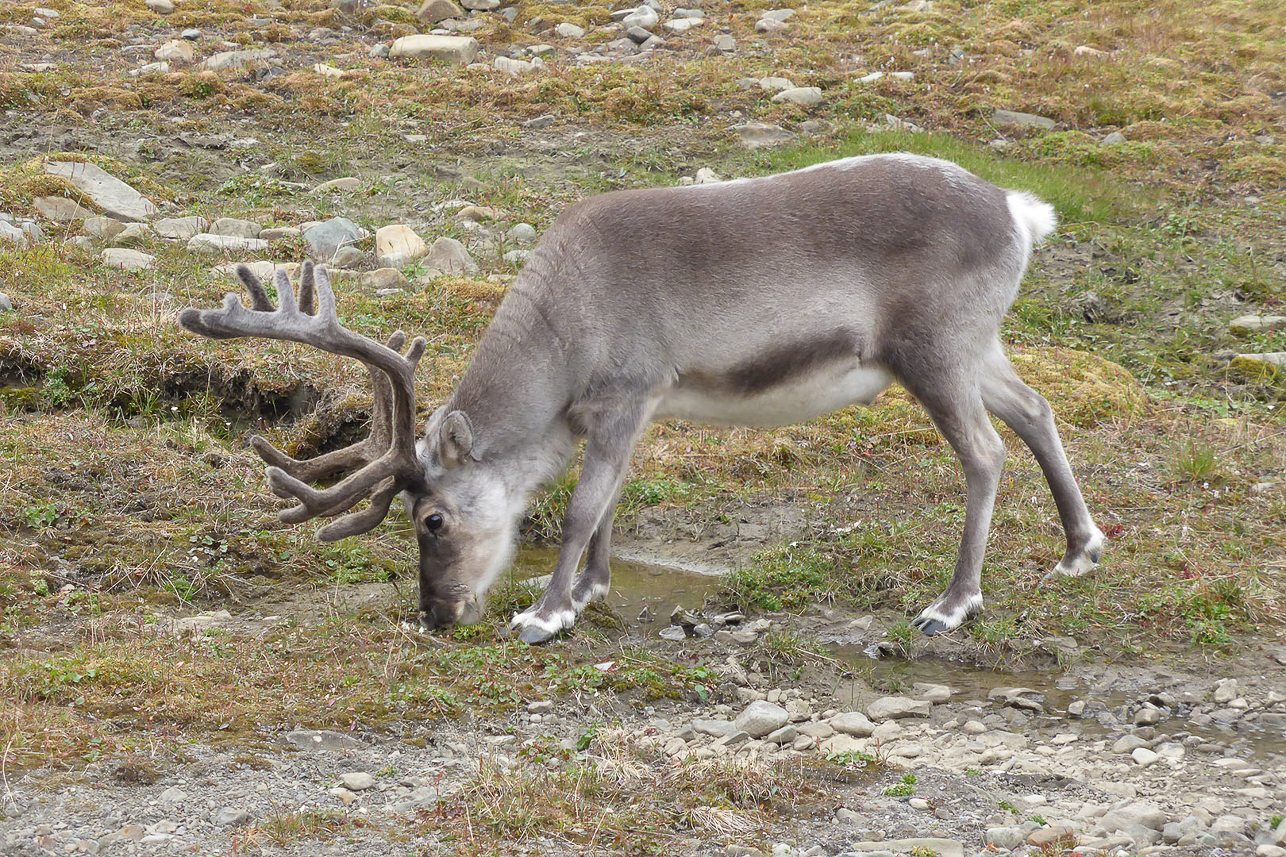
(365, 520)
(306, 303)
(258, 295)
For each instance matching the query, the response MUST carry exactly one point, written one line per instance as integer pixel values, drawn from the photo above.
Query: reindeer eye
(433, 522)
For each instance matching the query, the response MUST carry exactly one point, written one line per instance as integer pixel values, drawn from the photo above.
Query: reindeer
(757, 302)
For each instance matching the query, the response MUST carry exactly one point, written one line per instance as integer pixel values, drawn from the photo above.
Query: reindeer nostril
(441, 614)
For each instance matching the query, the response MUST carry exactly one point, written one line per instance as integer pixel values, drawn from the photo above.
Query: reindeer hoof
(535, 628)
(533, 636)
(947, 614)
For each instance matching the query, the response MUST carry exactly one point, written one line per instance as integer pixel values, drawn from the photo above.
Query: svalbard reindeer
(758, 302)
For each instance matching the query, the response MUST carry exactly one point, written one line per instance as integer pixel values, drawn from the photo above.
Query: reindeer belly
(700, 398)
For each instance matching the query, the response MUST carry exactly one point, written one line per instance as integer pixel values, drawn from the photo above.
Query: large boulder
(455, 49)
(113, 196)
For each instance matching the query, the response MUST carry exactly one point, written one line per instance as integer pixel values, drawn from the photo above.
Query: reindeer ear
(455, 439)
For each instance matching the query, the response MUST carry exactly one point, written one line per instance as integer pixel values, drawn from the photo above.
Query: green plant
(906, 788)
(1195, 462)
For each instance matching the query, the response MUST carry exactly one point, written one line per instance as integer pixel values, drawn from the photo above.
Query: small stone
(348, 257)
(457, 49)
(181, 228)
(853, 723)
(1143, 756)
(542, 706)
(725, 43)
(113, 196)
(347, 184)
(1005, 838)
(523, 233)
(1247, 324)
(973, 727)
(756, 135)
(1113, 139)
(173, 794)
(214, 245)
(433, 11)
(1148, 715)
(322, 739)
(103, 228)
(1148, 815)
(127, 260)
(450, 256)
(6, 305)
(679, 26)
(237, 59)
(932, 693)
(175, 51)
(192, 34)
(1267, 850)
(713, 728)
(278, 233)
(357, 781)
(399, 240)
(325, 239)
(805, 96)
(1128, 744)
(345, 796)
(761, 717)
(235, 228)
(785, 735)
(134, 235)
(893, 707)
(515, 68)
(1088, 52)
(941, 847)
(150, 69)
(1013, 117)
(231, 817)
(918, 803)
(644, 17)
(384, 281)
(161, 7)
(569, 30)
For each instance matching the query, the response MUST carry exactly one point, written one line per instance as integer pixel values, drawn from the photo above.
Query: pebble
(161, 7)
(214, 245)
(6, 305)
(1143, 756)
(127, 260)
(805, 96)
(760, 718)
(644, 17)
(569, 30)
(893, 707)
(231, 817)
(461, 50)
(450, 256)
(357, 781)
(1225, 690)
(1014, 117)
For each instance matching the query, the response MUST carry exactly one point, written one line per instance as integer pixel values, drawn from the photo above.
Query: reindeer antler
(386, 458)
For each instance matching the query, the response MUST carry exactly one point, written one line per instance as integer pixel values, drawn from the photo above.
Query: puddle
(635, 585)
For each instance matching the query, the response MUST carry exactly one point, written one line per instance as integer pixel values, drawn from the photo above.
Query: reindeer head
(464, 523)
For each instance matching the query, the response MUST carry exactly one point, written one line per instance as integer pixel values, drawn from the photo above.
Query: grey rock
(515, 68)
(345, 184)
(1014, 117)
(33, 231)
(942, 847)
(1225, 690)
(1005, 838)
(775, 84)
(231, 817)
(1148, 815)
(644, 17)
(180, 228)
(113, 196)
(757, 135)
(322, 739)
(539, 122)
(785, 735)
(134, 235)
(637, 35)
(777, 15)
(326, 238)
(932, 693)
(456, 49)
(173, 794)
(1246, 324)
(6, 305)
(380, 51)
(175, 51)
(761, 717)
(161, 7)
(853, 723)
(894, 707)
(480, 5)
(523, 233)
(1127, 744)
(348, 257)
(357, 781)
(1114, 139)
(735, 739)
(1143, 757)
(192, 34)
(569, 30)
(713, 728)
(214, 245)
(679, 26)
(127, 260)
(102, 228)
(60, 209)
(432, 11)
(805, 96)
(449, 255)
(235, 228)
(12, 234)
(277, 233)
(672, 633)
(1275, 360)
(770, 25)
(238, 59)
(725, 43)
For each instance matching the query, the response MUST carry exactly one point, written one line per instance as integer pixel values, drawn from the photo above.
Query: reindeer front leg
(611, 435)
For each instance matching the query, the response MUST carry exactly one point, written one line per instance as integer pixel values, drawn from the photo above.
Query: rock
(1088, 52)
(231, 817)
(127, 260)
(383, 280)
(173, 794)
(1113, 139)
(1148, 815)
(277, 233)
(644, 17)
(109, 193)
(1013, 117)
(941, 847)
(60, 209)
(853, 723)
(175, 51)
(757, 135)
(237, 59)
(1005, 838)
(214, 245)
(432, 11)
(1267, 850)
(785, 735)
(180, 228)
(1225, 690)
(893, 707)
(1148, 715)
(480, 5)
(770, 25)
(323, 739)
(235, 228)
(777, 15)
(357, 781)
(13, 235)
(397, 240)
(133, 235)
(456, 49)
(679, 26)
(761, 717)
(713, 728)
(6, 305)
(192, 34)
(450, 256)
(515, 68)
(725, 43)
(325, 239)
(569, 30)
(151, 68)
(1128, 744)
(161, 7)
(1247, 324)
(523, 233)
(932, 693)
(1143, 757)
(805, 96)
(349, 257)
(340, 185)
(775, 84)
